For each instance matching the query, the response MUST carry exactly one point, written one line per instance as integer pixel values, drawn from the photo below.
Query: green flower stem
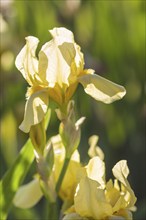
(62, 174)
(53, 211)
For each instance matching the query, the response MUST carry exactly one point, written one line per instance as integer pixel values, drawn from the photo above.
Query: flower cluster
(84, 190)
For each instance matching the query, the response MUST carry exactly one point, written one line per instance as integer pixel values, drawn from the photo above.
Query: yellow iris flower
(56, 73)
(100, 200)
(84, 190)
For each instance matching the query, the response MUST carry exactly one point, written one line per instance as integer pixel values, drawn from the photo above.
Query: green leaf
(14, 178)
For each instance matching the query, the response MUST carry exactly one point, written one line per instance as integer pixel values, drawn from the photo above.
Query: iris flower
(84, 190)
(55, 74)
(100, 200)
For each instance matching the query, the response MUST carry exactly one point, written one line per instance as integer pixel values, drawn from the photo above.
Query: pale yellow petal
(96, 170)
(56, 56)
(115, 197)
(90, 201)
(35, 109)
(121, 171)
(77, 65)
(112, 194)
(120, 204)
(101, 89)
(28, 195)
(72, 176)
(62, 34)
(26, 61)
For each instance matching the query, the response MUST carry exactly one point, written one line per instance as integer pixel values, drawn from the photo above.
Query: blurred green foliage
(112, 37)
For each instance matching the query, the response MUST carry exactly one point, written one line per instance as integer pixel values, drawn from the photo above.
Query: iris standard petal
(101, 89)
(121, 171)
(96, 170)
(28, 195)
(35, 109)
(90, 201)
(56, 57)
(26, 61)
(62, 35)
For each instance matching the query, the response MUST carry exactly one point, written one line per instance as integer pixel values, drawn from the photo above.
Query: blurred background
(112, 37)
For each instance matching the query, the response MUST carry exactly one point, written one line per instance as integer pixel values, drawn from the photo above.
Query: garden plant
(73, 190)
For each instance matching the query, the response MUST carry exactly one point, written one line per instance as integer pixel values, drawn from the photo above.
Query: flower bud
(70, 133)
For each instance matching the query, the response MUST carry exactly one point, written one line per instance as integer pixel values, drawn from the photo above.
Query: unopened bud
(71, 135)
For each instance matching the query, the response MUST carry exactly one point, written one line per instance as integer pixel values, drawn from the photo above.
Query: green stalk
(53, 211)
(62, 174)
